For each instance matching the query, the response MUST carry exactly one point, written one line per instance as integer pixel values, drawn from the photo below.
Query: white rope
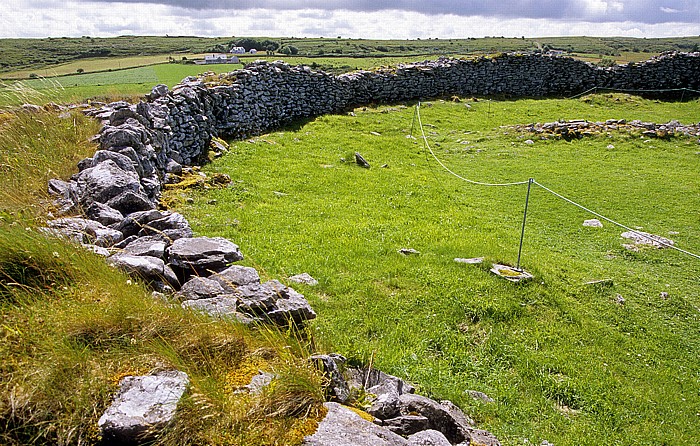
(655, 239)
(641, 234)
(478, 183)
(632, 91)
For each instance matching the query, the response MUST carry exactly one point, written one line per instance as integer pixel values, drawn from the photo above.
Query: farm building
(237, 50)
(217, 59)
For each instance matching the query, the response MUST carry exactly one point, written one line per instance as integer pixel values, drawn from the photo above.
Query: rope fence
(529, 183)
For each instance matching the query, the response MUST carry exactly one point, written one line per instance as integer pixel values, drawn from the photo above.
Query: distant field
(131, 66)
(140, 80)
(34, 55)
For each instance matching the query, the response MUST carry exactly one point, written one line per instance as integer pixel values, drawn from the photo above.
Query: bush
(290, 50)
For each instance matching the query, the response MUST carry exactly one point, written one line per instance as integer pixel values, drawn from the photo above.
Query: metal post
(415, 113)
(522, 231)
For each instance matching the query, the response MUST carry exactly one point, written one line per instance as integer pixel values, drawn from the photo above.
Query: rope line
(478, 183)
(633, 91)
(609, 220)
(651, 237)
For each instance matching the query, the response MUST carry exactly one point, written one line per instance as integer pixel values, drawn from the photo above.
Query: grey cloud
(644, 11)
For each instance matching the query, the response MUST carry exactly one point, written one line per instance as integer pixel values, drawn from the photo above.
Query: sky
(372, 19)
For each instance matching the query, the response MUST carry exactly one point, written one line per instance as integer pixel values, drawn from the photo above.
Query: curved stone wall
(173, 128)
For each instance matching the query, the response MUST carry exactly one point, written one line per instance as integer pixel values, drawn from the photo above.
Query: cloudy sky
(380, 19)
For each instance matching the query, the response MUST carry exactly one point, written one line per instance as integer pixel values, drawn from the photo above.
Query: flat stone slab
(644, 238)
(304, 278)
(511, 273)
(593, 223)
(142, 406)
(343, 427)
(472, 261)
(235, 276)
(203, 254)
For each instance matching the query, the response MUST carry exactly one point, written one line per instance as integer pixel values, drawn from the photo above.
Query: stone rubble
(576, 129)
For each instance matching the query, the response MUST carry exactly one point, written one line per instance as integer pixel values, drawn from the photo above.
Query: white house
(237, 50)
(218, 58)
(215, 58)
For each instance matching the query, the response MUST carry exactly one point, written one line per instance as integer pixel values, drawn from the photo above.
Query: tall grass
(36, 146)
(72, 326)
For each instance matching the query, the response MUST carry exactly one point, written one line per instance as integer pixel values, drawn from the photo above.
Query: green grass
(562, 359)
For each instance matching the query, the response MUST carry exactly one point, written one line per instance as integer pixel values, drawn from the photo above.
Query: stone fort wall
(177, 126)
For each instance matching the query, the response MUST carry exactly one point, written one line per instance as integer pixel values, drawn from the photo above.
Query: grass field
(564, 361)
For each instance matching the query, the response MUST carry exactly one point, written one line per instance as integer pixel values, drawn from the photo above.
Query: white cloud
(76, 18)
(669, 10)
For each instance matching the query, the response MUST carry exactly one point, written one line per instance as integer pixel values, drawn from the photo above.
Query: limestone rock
(134, 222)
(151, 269)
(479, 437)
(200, 288)
(84, 231)
(644, 238)
(235, 276)
(65, 195)
(361, 161)
(276, 302)
(428, 438)
(104, 214)
(171, 226)
(444, 416)
(331, 365)
(203, 254)
(593, 223)
(224, 307)
(343, 427)
(143, 406)
(257, 383)
(480, 396)
(104, 182)
(406, 424)
(151, 246)
(304, 278)
(129, 201)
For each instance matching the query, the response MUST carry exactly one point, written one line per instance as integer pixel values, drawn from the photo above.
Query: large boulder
(443, 416)
(151, 269)
(276, 302)
(343, 427)
(143, 406)
(200, 288)
(84, 231)
(152, 246)
(104, 182)
(236, 275)
(203, 255)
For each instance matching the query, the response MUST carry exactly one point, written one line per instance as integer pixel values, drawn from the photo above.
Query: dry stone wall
(266, 95)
